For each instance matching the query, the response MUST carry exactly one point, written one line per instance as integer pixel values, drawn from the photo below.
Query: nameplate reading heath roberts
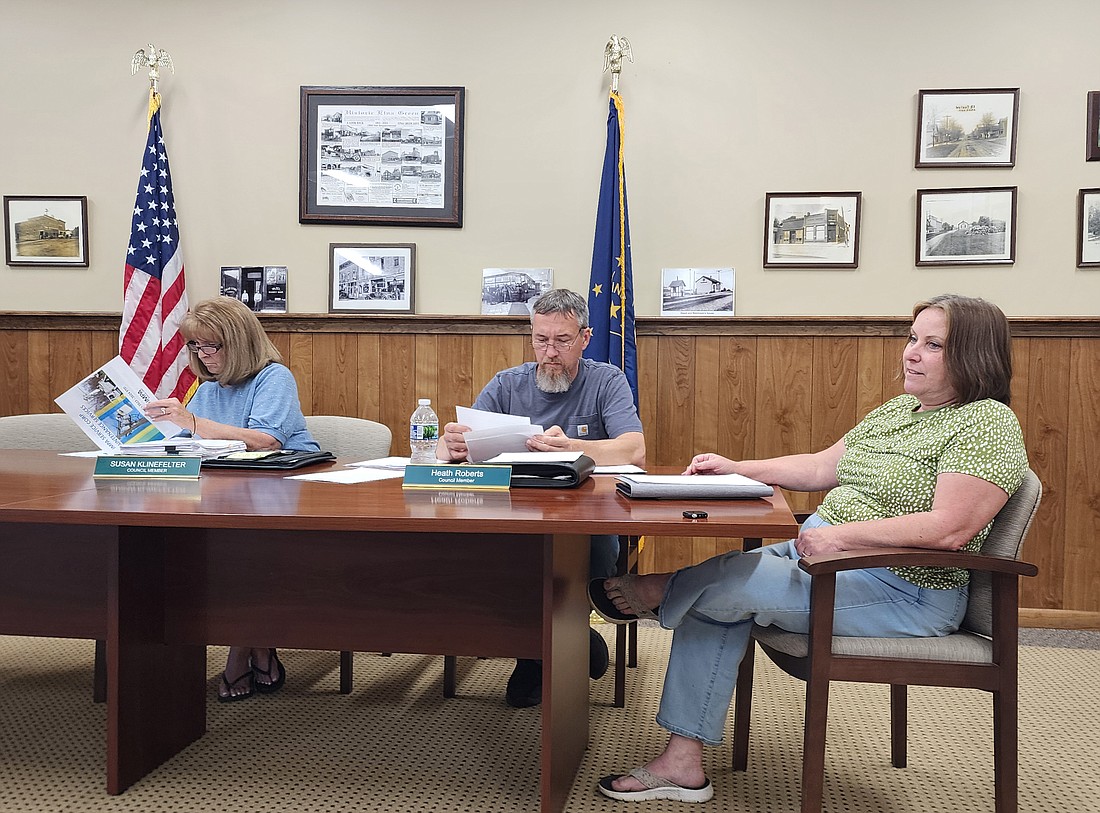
(455, 477)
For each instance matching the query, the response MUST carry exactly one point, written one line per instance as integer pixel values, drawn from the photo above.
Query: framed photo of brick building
(966, 226)
(382, 156)
(811, 229)
(46, 230)
(967, 128)
(371, 277)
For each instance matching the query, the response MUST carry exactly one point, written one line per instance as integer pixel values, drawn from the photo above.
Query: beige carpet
(396, 745)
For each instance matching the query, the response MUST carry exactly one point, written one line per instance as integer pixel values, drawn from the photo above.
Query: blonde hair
(246, 349)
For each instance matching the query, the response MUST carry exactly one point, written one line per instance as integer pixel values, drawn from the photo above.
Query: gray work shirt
(598, 405)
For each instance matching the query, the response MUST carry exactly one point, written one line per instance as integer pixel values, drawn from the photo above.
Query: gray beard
(551, 383)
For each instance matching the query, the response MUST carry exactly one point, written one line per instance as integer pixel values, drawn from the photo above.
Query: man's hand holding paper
(478, 435)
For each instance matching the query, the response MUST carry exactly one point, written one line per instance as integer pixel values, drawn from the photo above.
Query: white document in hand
(493, 433)
(481, 444)
(482, 419)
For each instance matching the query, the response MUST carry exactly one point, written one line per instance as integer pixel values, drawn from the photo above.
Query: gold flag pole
(617, 47)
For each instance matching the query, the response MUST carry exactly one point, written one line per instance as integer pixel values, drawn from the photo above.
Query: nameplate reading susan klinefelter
(176, 467)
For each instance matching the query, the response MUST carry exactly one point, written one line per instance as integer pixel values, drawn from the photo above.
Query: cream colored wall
(725, 101)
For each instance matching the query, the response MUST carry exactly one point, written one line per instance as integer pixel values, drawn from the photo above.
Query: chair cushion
(960, 647)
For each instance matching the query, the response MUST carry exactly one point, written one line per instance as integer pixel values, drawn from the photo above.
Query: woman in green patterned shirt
(929, 469)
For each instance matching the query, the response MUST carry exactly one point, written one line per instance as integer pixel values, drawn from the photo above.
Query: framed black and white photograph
(371, 277)
(697, 291)
(966, 226)
(811, 229)
(384, 156)
(1088, 228)
(1092, 126)
(46, 230)
(967, 128)
(511, 291)
(262, 287)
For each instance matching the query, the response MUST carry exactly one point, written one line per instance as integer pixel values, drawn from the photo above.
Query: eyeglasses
(206, 348)
(539, 343)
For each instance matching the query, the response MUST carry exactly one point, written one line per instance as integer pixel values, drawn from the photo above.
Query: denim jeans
(712, 606)
(603, 557)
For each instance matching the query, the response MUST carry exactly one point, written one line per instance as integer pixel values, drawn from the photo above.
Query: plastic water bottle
(423, 432)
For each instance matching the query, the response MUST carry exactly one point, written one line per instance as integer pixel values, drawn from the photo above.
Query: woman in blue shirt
(246, 394)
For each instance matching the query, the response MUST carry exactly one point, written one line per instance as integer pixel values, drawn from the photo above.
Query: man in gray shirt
(585, 406)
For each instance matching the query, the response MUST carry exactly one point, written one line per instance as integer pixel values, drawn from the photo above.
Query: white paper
(383, 463)
(484, 444)
(536, 457)
(482, 419)
(109, 406)
(349, 475)
(203, 447)
(628, 468)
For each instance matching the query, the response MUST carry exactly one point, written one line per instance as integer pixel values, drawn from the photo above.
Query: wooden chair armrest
(913, 557)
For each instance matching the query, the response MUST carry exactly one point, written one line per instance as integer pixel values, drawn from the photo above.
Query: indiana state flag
(611, 292)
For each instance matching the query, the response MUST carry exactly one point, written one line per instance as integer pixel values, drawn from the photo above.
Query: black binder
(278, 460)
(556, 474)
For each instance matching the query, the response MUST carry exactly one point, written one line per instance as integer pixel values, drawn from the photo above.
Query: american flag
(155, 294)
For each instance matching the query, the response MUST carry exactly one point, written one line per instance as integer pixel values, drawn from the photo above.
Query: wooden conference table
(161, 569)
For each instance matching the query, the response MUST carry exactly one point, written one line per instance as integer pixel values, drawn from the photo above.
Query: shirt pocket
(586, 427)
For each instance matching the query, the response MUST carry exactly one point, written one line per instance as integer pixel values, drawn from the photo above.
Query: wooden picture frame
(812, 229)
(371, 277)
(1088, 228)
(1092, 126)
(383, 156)
(46, 230)
(966, 226)
(975, 127)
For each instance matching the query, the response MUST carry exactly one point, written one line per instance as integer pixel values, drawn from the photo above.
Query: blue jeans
(603, 557)
(712, 607)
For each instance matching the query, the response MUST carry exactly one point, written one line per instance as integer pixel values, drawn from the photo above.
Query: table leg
(564, 668)
(156, 703)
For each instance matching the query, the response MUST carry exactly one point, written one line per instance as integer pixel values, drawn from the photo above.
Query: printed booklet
(109, 406)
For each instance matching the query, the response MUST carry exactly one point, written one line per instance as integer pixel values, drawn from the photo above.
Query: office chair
(56, 431)
(982, 654)
(357, 439)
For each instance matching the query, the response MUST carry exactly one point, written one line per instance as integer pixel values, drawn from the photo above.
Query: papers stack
(492, 433)
(200, 447)
(691, 486)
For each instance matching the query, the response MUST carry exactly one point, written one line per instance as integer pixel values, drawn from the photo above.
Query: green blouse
(892, 458)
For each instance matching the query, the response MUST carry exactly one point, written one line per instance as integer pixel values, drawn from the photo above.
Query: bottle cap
(424, 401)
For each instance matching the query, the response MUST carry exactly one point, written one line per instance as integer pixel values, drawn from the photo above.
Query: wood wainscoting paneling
(743, 387)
